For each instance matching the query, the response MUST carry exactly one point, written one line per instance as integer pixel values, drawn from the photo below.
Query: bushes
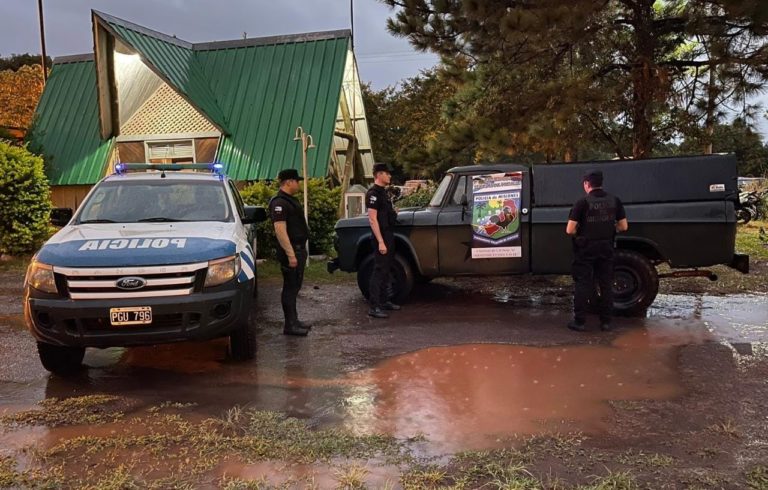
(417, 199)
(25, 202)
(323, 206)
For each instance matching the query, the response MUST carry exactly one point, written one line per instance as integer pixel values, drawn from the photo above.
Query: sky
(383, 59)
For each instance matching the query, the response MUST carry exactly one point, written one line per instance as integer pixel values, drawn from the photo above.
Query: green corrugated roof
(176, 62)
(266, 91)
(257, 90)
(66, 126)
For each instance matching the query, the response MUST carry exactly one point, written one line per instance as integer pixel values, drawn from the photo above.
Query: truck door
(456, 239)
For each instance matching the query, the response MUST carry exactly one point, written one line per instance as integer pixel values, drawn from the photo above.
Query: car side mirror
(254, 214)
(61, 216)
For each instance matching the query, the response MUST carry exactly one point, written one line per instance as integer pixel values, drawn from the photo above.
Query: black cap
(594, 177)
(289, 174)
(381, 167)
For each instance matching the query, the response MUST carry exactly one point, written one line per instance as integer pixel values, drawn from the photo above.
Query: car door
(455, 232)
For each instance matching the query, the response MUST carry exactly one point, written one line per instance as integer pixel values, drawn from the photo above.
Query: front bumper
(85, 323)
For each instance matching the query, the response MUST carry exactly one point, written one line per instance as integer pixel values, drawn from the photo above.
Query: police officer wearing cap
(292, 235)
(382, 217)
(593, 223)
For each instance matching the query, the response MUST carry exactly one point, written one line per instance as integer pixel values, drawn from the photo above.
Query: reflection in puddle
(469, 395)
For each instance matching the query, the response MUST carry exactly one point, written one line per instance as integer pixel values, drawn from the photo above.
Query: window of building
(180, 151)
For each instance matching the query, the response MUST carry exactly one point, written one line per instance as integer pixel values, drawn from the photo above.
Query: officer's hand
(382, 249)
(293, 262)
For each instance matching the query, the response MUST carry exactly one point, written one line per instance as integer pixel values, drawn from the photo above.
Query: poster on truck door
(496, 215)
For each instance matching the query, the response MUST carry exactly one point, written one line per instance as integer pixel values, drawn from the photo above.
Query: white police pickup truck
(153, 255)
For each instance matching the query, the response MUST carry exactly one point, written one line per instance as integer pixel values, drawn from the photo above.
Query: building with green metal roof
(144, 96)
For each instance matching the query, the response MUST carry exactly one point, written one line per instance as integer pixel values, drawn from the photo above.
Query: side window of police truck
(461, 191)
(238, 199)
(437, 198)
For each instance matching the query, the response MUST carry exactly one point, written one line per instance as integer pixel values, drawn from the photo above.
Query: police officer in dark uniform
(382, 217)
(292, 235)
(593, 223)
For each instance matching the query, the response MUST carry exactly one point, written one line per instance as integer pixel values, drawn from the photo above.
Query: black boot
(296, 330)
(576, 326)
(377, 312)
(390, 306)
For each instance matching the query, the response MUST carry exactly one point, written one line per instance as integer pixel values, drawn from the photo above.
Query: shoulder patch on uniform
(374, 198)
(278, 208)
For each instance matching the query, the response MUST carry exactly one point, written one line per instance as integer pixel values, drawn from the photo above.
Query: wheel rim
(627, 286)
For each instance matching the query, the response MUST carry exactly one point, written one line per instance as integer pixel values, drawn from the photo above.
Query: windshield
(437, 199)
(146, 201)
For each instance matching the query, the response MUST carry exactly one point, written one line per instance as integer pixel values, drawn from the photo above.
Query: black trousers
(381, 278)
(593, 262)
(293, 278)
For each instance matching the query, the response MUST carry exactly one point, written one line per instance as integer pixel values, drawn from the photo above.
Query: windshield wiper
(100, 220)
(159, 219)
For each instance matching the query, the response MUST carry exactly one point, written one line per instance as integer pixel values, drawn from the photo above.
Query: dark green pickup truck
(510, 219)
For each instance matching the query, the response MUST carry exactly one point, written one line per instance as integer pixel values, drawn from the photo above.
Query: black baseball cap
(594, 177)
(381, 167)
(289, 174)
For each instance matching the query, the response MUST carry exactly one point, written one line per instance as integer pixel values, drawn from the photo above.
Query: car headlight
(222, 270)
(40, 276)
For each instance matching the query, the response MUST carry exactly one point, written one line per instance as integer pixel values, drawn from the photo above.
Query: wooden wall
(131, 151)
(205, 149)
(68, 196)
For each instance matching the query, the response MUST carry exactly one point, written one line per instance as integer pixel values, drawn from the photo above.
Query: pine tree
(548, 75)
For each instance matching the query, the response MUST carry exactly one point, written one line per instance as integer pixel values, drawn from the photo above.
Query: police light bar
(122, 168)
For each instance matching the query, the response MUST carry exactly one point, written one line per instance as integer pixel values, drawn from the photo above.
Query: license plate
(135, 315)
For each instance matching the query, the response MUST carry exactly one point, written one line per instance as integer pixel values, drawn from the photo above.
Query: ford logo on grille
(131, 283)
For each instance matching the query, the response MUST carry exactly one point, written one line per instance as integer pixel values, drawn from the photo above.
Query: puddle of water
(468, 396)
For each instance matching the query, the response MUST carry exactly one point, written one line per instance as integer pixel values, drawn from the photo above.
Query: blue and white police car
(155, 254)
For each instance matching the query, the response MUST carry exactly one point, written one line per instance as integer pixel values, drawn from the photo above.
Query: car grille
(101, 283)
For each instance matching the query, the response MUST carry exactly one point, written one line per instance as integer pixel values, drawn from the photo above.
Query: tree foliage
(20, 91)
(16, 61)
(407, 120)
(737, 138)
(25, 204)
(323, 206)
(547, 76)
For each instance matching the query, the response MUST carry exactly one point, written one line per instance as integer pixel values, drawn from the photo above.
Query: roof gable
(266, 91)
(172, 60)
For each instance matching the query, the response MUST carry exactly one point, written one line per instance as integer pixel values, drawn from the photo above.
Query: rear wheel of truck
(635, 284)
(60, 359)
(402, 278)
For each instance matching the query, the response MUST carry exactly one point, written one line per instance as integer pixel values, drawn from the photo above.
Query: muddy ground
(475, 383)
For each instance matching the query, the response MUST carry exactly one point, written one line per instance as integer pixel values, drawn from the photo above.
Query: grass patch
(316, 272)
(757, 478)
(170, 445)
(241, 484)
(351, 477)
(748, 240)
(621, 480)
(81, 410)
(14, 264)
(645, 460)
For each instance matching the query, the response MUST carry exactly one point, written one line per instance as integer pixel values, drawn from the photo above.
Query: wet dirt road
(460, 368)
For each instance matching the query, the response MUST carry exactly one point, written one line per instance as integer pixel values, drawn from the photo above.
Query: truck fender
(403, 245)
(643, 246)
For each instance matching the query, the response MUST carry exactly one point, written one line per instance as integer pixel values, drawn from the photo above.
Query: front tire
(60, 359)
(635, 283)
(402, 277)
(242, 340)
